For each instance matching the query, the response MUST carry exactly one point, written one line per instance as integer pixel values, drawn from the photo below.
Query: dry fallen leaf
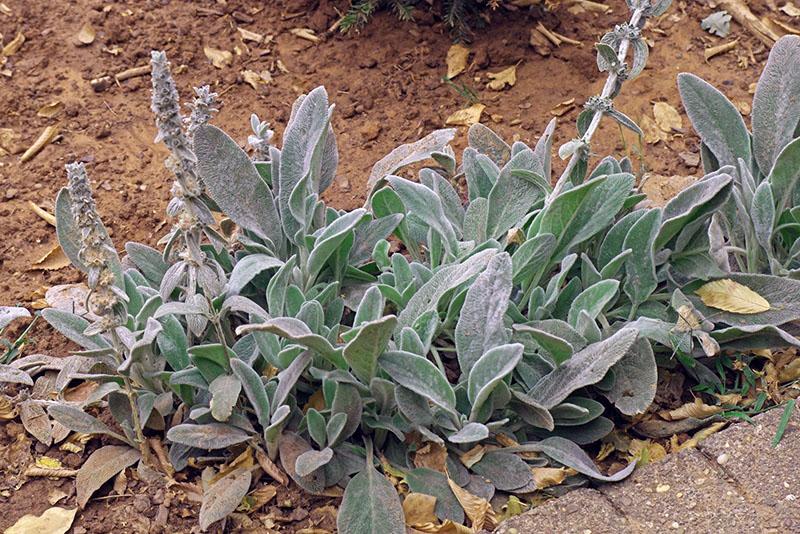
(652, 132)
(667, 117)
(418, 509)
(53, 521)
(55, 495)
(14, 45)
(55, 259)
(247, 35)
(789, 372)
(791, 9)
(86, 35)
(731, 296)
(50, 218)
(4, 9)
(545, 477)
(256, 79)
(478, 509)
(305, 33)
(645, 451)
(258, 498)
(219, 58)
(433, 456)
(501, 79)
(467, 116)
(721, 49)
(51, 109)
(7, 410)
(697, 409)
(9, 142)
(100, 467)
(44, 139)
(697, 438)
(448, 527)
(456, 60)
(473, 456)
(562, 108)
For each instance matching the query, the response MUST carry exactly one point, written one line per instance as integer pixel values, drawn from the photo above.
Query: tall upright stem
(608, 89)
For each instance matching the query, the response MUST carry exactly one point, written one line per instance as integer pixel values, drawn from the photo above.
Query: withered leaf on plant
(731, 296)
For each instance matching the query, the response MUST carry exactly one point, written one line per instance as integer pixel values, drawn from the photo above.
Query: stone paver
(583, 510)
(736, 482)
(767, 476)
(683, 493)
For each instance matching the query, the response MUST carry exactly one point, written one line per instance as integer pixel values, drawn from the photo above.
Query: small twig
(35, 471)
(132, 73)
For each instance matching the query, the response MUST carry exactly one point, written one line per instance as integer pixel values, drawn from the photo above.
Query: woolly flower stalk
(96, 252)
(166, 106)
(261, 139)
(202, 109)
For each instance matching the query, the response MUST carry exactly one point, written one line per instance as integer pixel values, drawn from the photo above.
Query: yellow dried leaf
(478, 509)
(55, 495)
(667, 117)
(645, 451)
(50, 218)
(652, 133)
(563, 108)
(305, 33)
(791, 9)
(732, 399)
(247, 35)
(688, 320)
(790, 372)
(473, 456)
(258, 498)
(733, 297)
(513, 507)
(7, 410)
(256, 80)
(697, 438)
(55, 259)
(432, 455)
(53, 521)
(244, 461)
(448, 527)
(697, 409)
(545, 477)
(86, 34)
(219, 58)
(14, 45)
(75, 443)
(418, 509)
(48, 463)
(501, 79)
(605, 450)
(467, 116)
(51, 109)
(44, 139)
(457, 56)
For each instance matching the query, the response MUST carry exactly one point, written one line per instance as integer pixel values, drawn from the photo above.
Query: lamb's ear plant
(9, 314)
(516, 317)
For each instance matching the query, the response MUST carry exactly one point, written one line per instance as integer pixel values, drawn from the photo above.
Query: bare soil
(386, 82)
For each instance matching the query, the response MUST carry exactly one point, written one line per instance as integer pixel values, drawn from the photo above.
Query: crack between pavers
(629, 522)
(712, 462)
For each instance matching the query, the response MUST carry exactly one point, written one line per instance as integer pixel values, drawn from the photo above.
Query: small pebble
(662, 488)
(723, 458)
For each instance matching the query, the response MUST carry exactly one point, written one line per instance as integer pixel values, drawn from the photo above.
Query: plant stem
(608, 89)
(144, 449)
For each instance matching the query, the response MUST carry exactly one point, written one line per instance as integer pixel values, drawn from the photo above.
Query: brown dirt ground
(386, 83)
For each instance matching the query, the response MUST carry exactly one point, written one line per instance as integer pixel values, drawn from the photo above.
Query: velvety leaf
(148, 260)
(79, 421)
(426, 205)
(224, 496)
(593, 300)
(253, 389)
(347, 400)
(370, 500)
(15, 376)
(569, 454)
(762, 213)
(72, 326)
(488, 371)
(716, 119)
(559, 349)
(331, 239)
(290, 447)
(233, 182)
(480, 326)
(248, 268)
(298, 332)
(485, 141)
(471, 433)
(512, 196)
(696, 201)
(420, 376)
(776, 109)
(363, 351)
(209, 436)
(785, 176)
(505, 470)
(585, 367)
(640, 268)
(311, 460)
(11, 313)
(430, 482)
(635, 378)
(224, 393)
(100, 467)
(410, 153)
(427, 297)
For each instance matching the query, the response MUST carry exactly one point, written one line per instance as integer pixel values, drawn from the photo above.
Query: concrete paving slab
(684, 492)
(583, 511)
(767, 476)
